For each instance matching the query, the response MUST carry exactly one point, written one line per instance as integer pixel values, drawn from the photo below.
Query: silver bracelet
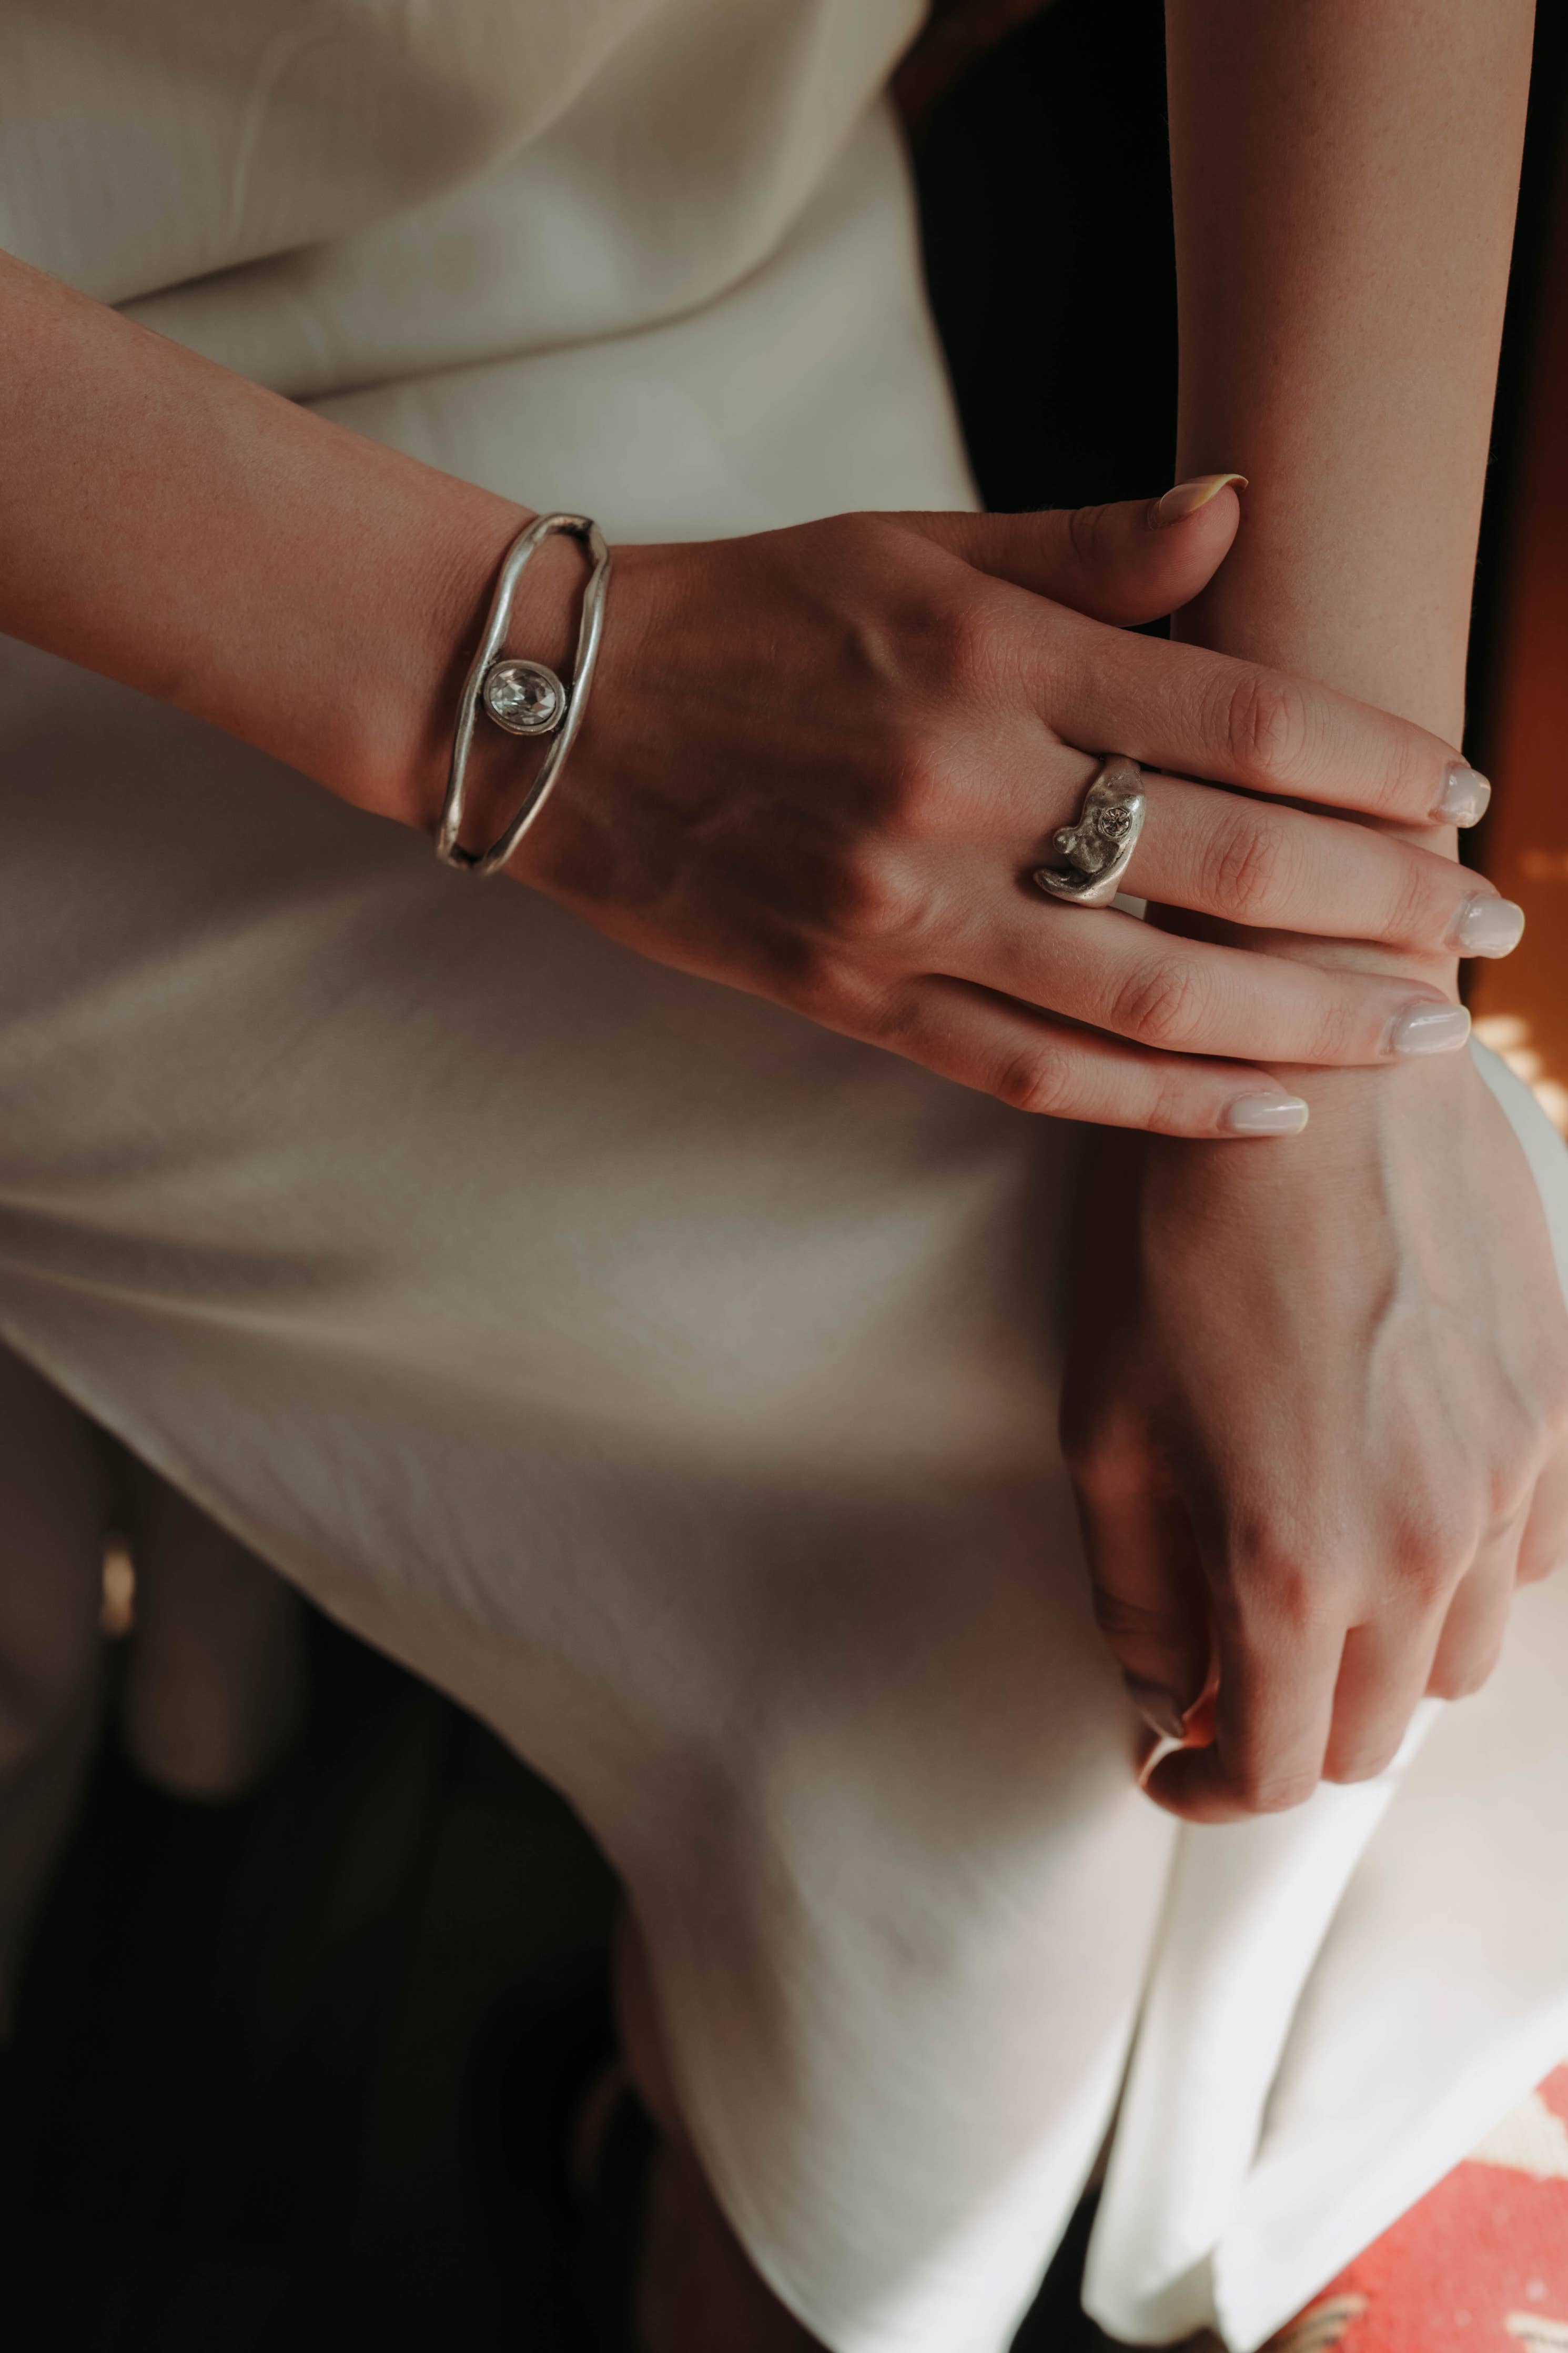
(526, 698)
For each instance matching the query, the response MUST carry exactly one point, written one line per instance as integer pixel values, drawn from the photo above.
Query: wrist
(548, 611)
(1252, 611)
(1363, 1123)
(399, 719)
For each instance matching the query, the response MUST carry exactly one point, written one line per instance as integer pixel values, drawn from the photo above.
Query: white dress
(669, 1380)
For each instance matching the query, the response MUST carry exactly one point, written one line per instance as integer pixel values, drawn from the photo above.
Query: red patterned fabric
(1480, 2265)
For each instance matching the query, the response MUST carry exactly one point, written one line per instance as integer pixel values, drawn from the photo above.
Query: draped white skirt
(673, 1383)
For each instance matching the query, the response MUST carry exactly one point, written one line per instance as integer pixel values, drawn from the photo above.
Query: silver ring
(1097, 850)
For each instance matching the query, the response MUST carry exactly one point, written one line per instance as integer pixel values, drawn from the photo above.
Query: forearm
(176, 527)
(1344, 174)
(1337, 1369)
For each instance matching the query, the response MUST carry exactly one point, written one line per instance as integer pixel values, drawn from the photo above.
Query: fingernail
(1488, 927)
(1429, 1029)
(1160, 1709)
(1188, 497)
(1261, 1114)
(1463, 797)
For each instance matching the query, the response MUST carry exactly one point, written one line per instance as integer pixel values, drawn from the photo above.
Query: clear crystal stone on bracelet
(524, 697)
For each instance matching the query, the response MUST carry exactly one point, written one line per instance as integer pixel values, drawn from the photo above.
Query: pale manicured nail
(1188, 497)
(1429, 1029)
(1464, 798)
(1488, 927)
(1160, 1709)
(1260, 1115)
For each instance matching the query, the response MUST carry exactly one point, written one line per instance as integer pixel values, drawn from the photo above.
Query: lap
(672, 1382)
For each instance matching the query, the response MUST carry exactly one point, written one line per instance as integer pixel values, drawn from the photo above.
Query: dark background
(239, 2112)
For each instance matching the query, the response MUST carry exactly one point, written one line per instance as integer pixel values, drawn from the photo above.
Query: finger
(1132, 561)
(1191, 996)
(1393, 1661)
(1472, 1640)
(1544, 1544)
(1146, 1585)
(1051, 1069)
(1258, 862)
(1273, 1709)
(1383, 1676)
(1204, 714)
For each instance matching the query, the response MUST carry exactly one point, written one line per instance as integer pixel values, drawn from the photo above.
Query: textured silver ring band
(524, 697)
(1096, 849)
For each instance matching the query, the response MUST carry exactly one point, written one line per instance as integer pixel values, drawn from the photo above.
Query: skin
(817, 765)
(858, 846)
(1318, 1425)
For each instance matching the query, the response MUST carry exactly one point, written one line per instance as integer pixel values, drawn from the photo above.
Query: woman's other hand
(821, 763)
(1316, 1397)
(1319, 1430)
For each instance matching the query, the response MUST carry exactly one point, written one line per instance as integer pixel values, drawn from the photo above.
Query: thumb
(1131, 562)
(1150, 1602)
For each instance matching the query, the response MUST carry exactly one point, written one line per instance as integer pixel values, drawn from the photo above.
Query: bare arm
(788, 735)
(1345, 173)
(1320, 1430)
(168, 522)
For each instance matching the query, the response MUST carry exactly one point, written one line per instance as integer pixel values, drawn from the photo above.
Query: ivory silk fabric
(669, 1380)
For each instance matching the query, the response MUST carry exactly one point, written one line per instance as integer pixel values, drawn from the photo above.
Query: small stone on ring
(524, 697)
(1097, 848)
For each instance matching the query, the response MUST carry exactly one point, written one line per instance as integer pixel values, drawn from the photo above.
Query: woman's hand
(1317, 1416)
(821, 763)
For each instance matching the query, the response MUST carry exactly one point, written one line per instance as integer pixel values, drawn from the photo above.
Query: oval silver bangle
(524, 697)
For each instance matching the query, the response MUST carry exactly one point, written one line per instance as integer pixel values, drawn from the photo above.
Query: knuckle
(1436, 1546)
(1126, 1623)
(1086, 529)
(1283, 1586)
(1273, 1789)
(1243, 864)
(1038, 1081)
(1160, 1003)
(1420, 902)
(861, 876)
(1295, 1592)
(1397, 781)
(1363, 1764)
(917, 786)
(1345, 1022)
(1428, 1575)
(800, 972)
(1178, 1108)
(883, 1016)
(1265, 725)
(955, 647)
(1464, 1679)
(879, 897)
